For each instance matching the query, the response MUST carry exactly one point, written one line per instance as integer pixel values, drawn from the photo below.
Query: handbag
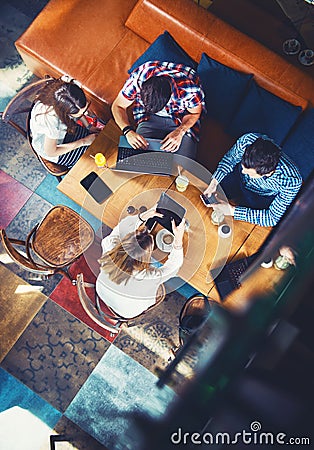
(194, 313)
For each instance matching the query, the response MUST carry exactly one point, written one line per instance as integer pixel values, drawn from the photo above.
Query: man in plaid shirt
(258, 177)
(167, 103)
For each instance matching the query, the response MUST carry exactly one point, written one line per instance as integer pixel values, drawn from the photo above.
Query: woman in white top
(128, 282)
(55, 134)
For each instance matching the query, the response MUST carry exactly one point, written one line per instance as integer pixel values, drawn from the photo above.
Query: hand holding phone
(208, 201)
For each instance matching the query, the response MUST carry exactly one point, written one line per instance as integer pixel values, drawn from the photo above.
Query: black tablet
(170, 209)
(96, 187)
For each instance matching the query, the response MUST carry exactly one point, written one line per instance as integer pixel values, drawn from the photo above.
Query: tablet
(96, 187)
(170, 209)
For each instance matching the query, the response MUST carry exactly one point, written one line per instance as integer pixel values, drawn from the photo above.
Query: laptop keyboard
(236, 270)
(146, 159)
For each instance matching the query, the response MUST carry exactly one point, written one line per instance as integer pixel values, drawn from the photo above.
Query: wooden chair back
(53, 244)
(89, 307)
(23, 103)
(108, 319)
(21, 258)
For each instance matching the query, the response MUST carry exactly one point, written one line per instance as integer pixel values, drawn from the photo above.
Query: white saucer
(163, 247)
(306, 61)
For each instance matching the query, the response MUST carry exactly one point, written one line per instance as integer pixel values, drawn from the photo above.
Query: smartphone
(209, 200)
(96, 187)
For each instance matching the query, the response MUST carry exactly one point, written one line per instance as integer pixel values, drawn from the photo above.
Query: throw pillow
(299, 145)
(164, 48)
(264, 112)
(224, 88)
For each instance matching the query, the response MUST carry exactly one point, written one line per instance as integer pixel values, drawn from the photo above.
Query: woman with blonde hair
(56, 135)
(128, 282)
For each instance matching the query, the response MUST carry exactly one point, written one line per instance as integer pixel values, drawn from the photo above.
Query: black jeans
(235, 190)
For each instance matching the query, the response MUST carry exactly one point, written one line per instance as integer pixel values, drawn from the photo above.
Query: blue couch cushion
(165, 48)
(264, 112)
(299, 145)
(224, 88)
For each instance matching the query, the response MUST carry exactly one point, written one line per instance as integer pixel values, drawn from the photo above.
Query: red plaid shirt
(186, 91)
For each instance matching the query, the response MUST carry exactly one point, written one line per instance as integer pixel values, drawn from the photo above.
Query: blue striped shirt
(284, 183)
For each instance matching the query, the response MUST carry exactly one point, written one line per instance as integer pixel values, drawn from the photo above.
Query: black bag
(194, 313)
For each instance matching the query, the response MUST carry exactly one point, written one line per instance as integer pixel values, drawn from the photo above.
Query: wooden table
(204, 250)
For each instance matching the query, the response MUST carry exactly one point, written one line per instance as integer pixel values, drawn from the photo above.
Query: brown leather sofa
(97, 42)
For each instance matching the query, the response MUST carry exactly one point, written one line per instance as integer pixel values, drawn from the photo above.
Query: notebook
(170, 209)
(152, 161)
(229, 277)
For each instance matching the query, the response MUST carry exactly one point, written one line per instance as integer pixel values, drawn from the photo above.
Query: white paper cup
(224, 231)
(267, 263)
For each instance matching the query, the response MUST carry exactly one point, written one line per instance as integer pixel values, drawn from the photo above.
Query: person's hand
(150, 213)
(224, 208)
(172, 141)
(89, 139)
(211, 188)
(136, 140)
(95, 130)
(288, 253)
(178, 232)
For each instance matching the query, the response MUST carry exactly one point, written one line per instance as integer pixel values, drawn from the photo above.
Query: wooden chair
(101, 314)
(22, 103)
(53, 244)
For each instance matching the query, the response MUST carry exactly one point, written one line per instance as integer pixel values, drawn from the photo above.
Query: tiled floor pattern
(65, 374)
(60, 374)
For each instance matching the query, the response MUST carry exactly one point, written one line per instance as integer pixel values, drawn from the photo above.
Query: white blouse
(139, 292)
(45, 122)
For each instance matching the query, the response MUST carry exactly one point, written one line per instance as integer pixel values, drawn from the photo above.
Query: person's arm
(229, 161)
(233, 156)
(127, 225)
(175, 259)
(265, 217)
(119, 112)
(51, 148)
(268, 217)
(172, 141)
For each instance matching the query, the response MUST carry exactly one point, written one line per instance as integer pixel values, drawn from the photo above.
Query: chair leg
(59, 178)
(65, 273)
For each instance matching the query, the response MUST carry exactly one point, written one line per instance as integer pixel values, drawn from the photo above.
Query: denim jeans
(235, 190)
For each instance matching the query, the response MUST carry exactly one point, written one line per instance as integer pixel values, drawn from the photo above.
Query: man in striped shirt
(167, 102)
(257, 177)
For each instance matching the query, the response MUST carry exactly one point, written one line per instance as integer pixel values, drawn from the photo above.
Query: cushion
(164, 48)
(264, 112)
(299, 145)
(223, 87)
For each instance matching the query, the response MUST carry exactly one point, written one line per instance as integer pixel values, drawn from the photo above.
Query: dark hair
(262, 155)
(155, 93)
(65, 98)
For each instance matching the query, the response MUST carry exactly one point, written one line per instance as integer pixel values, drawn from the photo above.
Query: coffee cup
(224, 231)
(182, 183)
(267, 262)
(167, 239)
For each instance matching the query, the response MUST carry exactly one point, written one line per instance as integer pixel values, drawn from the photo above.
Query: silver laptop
(152, 161)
